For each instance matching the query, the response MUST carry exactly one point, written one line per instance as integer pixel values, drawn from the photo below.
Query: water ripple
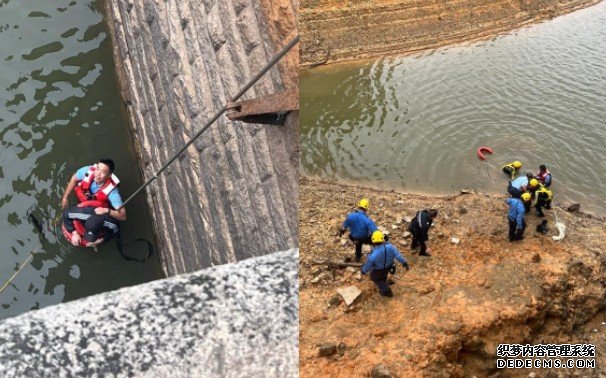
(55, 84)
(536, 95)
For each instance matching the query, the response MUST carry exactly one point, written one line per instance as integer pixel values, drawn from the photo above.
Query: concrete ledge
(232, 320)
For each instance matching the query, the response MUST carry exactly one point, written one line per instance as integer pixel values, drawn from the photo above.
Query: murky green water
(60, 110)
(537, 95)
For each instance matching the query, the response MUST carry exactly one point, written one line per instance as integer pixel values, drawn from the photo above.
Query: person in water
(511, 168)
(95, 183)
(544, 176)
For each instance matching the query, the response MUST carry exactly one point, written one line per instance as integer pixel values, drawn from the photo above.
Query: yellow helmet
(526, 197)
(377, 237)
(517, 164)
(534, 183)
(364, 204)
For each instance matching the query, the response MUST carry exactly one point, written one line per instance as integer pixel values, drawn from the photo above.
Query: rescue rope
(559, 225)
(248, 85)
(17, 272)
(245, 88)
(555, 213)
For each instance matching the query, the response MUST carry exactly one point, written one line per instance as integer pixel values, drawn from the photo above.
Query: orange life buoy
(483, 149)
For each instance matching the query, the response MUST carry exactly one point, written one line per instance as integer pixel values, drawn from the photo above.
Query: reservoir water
(537, 95)
(60, 110)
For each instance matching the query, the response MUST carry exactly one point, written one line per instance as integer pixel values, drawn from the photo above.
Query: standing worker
(544, 176)
(360, 227)
(516, 218)
(381, 262)
(419, 228)
(511, 168)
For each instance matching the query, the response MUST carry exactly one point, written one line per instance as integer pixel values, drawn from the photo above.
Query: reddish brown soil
(449, 311)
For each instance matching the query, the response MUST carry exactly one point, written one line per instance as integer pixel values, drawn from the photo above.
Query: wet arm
(68, 189)
(119, 214)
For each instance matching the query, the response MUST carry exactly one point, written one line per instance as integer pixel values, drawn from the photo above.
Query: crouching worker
(381, 262)
(543, 197)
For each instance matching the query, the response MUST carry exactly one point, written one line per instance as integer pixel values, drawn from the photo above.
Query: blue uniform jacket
(516, 210)
(520, 182)
(382, 257)
(359, 224)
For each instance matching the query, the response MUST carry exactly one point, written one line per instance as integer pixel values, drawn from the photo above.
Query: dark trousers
(509, 171)
(540, 204)
(515, 193)
(93, 224)
(513, 234)
(379, 277)
(359, 242)
(418, 239)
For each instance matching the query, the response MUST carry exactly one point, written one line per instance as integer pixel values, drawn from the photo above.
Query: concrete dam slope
(233, 193)
(234, 320)
(340, 30)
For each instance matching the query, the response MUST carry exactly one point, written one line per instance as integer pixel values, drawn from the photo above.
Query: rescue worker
(360, 227)
(543, 197)
(419, 228)
(511, 168)
(519, 185)
(533, 184)
(94, 183)
(544, 176)
(381, 262)
(516, 217)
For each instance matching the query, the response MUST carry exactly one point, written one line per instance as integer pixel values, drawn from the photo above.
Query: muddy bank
(449, 311)
(334, 31)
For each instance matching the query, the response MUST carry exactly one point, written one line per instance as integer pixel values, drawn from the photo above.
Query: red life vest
(83, 188)
(541, 175)
(86, 199)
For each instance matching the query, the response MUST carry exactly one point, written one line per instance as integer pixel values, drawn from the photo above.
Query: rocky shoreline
(449, 311)
(337, 31)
